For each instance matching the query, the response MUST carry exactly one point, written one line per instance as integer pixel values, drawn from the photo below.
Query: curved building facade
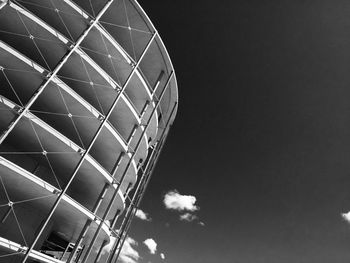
(87, 96)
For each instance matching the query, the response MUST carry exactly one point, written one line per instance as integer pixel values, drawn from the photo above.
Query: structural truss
(87, 96)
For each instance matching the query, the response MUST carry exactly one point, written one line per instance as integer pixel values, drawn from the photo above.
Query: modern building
(87, 96)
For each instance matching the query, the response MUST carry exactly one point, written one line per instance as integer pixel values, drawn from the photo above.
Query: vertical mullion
(31, 102)
(152, 161)
(129, 162)
(131, 158)
(51, 75)
(79, 240)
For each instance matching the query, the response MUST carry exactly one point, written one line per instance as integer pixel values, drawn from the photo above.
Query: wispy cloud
(151, 245)
(188, 217)
(142, 215)
(162, 256)
(176, 201)
(128, 254)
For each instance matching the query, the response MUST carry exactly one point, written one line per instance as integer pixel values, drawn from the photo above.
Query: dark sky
(262, 135)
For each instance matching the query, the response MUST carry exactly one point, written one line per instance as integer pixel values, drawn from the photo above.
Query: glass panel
(25, 203)
(8, 255)
(31, 39)
(88, 185)
(123, 120)
(93, 7)
(137, 92)
(42, 153)
(59, 15)
(127, 27)
(18, 80)
(126, 173)
(83, 77)
(101, 47)
(107, 149)
(69, 115)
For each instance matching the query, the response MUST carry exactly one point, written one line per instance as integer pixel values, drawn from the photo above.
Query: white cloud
(188, 217)
(151, 245)
(142, 215)
(162, 256)
(109, 246)
(128, 254)
(346, 216)
(176, 201)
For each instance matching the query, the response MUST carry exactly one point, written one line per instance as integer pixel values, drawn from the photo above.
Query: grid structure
(88, 94)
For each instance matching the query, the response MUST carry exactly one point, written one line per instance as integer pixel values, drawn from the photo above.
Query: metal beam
(153, 162)
(62, 193)
(128, 165)
(114, 221)
(81, 52)
(159, 79)
(100, 251)
(3, 3)
(128, 223)
(79, 241)
(100, 198)
(18, 7)
(131, 206)
(50, 76)
(99, 130)
(88, 223)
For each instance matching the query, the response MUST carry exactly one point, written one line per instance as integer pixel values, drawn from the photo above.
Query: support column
(100, 198)
(79, 240)
(128, 165)
(100, 251)
(88, 223)
(125, 230)
(65, 251)
(158, 82)
(53, 209)
(117, 163)
(50, 77)
(139, 192)
(132, 134)
(114, 221)
(145, 107)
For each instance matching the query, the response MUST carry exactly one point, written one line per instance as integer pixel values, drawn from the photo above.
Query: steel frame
(3, 3)
(144, 176)
(93, 140)
(31, 102)
(87, 253)
(98, 132)
(50, 76)
(138, 195)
